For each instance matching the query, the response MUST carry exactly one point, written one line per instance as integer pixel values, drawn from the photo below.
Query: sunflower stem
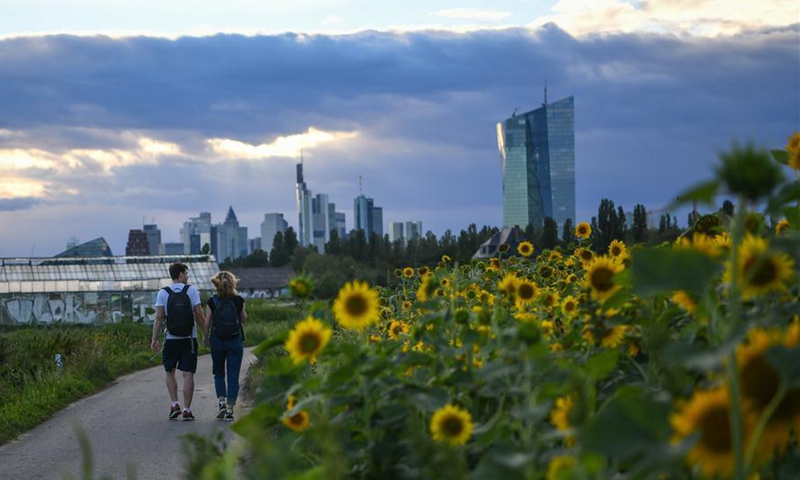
(762, 422)
(734, 319)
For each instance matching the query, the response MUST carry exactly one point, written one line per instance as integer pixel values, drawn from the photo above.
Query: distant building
(507, 236)
(413, 231)
(396, 232)
(138, 245)
(272, 224)
(197, 232)
(253, 244)
(231, 238)
(153, 238)
(367, 217)
(93, 248)
(341, 228)
(537, 156)
(322, 222)
(263, 282)
(171, 248)
(72, 242)
(304, 219)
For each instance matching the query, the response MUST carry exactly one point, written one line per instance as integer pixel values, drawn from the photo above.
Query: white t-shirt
(161, 301)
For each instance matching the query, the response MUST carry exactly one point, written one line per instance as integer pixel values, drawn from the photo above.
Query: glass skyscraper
(537, 155)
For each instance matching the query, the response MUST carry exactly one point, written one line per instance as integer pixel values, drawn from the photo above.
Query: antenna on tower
(545, 93)
(301, 156)
(360, 190)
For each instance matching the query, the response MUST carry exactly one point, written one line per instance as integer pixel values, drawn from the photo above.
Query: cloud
(472, 14)
(289, 146)
(707, 18)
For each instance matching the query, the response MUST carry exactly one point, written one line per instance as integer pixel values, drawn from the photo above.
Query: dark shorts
(180, 353)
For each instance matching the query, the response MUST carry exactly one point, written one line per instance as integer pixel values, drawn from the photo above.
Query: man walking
(180, 304)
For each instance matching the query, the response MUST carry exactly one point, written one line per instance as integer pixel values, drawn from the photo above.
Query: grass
(32, 388)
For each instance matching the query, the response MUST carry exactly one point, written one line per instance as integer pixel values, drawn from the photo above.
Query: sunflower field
(679, 361)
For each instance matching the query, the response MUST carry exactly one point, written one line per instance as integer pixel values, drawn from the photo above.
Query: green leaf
(781, 156)
(703, 193)
(427, 400)
(260, 418)
(600, 365)
(790, 192)
(792, 214)
(661, 271)
(630, 424)
(787, 362)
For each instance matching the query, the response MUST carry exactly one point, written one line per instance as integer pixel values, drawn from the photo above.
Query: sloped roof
(231, 216)
(93, 248)
(510, 236)
(263, 277)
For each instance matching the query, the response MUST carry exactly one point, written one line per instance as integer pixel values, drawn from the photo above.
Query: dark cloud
(20, 203)
(651, 112)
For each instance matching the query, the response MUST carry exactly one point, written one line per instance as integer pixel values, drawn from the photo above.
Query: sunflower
(406, 305)
(781, 226)
(548, 299)
(572, 278)
(559, 415)
(444, 282)
(614, 337)
(300, 287)
(426, 289)
(708, 415)
(585, 255)
(297, 422)
(398, 272)
(397, 328)
(699, 242)
(759, 383)
(508, 286)
(793, 149)
(723, 242)
(685, 301)
(307, 339)
(494, 264)
(561, 467)
(445, 258)
(760, 271)
(356, 307)
(452, 425)
(599, 277)
(569, 306)
(423, 271)
(503, 248)
(408, 272)
(554, 255)
(617, 249)
(526, 292)
(525, 249)
(546, 272)
(583, 230)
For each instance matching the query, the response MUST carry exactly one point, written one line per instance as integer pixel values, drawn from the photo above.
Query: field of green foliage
(674, 361)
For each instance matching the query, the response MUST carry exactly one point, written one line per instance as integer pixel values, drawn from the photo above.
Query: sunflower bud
(749, 172)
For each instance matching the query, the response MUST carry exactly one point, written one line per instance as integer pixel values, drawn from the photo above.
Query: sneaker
(187, 415)
(229, 415)
(221, 409)
(174, 411)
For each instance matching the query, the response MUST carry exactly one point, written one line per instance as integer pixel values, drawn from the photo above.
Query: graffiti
(75, 308)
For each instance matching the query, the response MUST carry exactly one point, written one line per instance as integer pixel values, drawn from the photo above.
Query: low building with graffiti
(86, 290)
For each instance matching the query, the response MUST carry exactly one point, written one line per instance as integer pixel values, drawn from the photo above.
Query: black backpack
(180, 314)
(226, 317)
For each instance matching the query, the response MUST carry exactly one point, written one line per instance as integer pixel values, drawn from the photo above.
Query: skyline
(97, 133)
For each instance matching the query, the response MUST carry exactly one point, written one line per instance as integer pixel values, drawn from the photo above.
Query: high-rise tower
(537, 155)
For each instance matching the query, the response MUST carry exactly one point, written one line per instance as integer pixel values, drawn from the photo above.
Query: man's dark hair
(176, 269)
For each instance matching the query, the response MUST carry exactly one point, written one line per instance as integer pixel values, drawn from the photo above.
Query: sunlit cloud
(20, 187)
(155, 147)
(286, 146)
(471, 14)
(705, 18)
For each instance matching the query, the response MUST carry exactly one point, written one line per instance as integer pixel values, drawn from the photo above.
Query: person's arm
(207, 331)
(199, 318)
(243, 315)
(157, 328)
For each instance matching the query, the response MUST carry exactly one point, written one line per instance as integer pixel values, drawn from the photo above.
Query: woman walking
(224, 334)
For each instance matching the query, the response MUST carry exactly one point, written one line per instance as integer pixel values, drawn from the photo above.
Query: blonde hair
(226, 283)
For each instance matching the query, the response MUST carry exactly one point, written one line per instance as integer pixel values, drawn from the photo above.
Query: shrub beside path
(127, 426)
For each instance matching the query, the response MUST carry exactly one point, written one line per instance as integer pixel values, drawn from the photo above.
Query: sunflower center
(761, 272)
(309, 343)
(716, 432)
(525, 291)
(569, 306)
(452, 426)
(296, 419)
(601, 279)
(615, 251)
(545, 271)
(356, 305)
(586, 255)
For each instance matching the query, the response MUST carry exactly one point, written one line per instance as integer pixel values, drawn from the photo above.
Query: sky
(117, 113)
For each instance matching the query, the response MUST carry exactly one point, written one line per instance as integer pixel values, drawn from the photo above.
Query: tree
(278, 256)
(568, 232)
(206, 249)
(549, 233)
(639, 223)
(608, 227)
(333, 246)
(663, 223)
(694, 216)
(622, 225)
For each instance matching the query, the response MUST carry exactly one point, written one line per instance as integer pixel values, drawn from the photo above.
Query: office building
(304, 219)
(93, 248)
(137, 245)
(537, 156)
(413, 231)
(272, 224)
(341, 227)
(171, 248)
(231, 238)
(197, 232)
(396, 232)
(153, 238)
(367, 217)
